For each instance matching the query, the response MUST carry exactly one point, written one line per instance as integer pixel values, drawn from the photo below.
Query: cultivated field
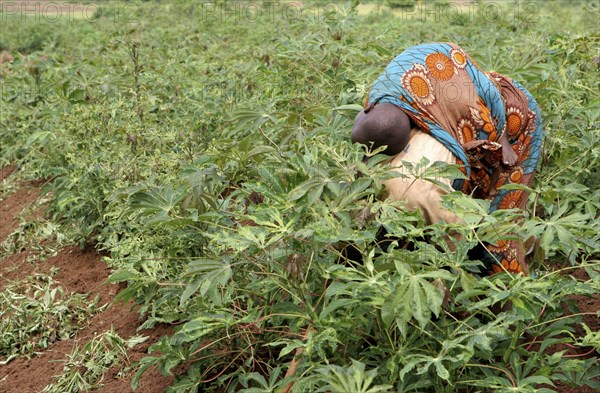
(177, 185)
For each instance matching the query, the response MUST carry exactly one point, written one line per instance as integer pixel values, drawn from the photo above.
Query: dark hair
(382, 124)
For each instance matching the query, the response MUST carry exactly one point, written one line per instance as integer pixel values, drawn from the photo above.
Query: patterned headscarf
(446, 94)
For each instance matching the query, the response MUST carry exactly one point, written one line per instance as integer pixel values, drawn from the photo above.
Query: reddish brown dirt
(14, 267)
(13, 205)
(584, 304)
(32, 375)
(560, 388)
(80, 271)
(587, 304)
(6, 171)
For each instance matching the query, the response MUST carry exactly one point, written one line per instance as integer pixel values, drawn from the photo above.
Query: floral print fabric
(445, 93)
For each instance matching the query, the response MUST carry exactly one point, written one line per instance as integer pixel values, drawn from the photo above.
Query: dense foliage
(205, 147)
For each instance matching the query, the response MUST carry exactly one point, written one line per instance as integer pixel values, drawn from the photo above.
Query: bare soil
(79, 271)
(587, 304)
(590, 306)
(13, 205)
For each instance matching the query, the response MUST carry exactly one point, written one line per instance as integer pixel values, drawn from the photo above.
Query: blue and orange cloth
(445, 94)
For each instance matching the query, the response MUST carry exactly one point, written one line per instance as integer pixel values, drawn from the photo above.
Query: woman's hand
(509, 157)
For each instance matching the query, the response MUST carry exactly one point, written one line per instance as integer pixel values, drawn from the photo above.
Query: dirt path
(79, 271)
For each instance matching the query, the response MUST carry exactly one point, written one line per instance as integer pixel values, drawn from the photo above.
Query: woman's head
(382, 124)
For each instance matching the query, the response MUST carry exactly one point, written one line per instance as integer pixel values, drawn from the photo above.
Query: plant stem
(512, 380)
